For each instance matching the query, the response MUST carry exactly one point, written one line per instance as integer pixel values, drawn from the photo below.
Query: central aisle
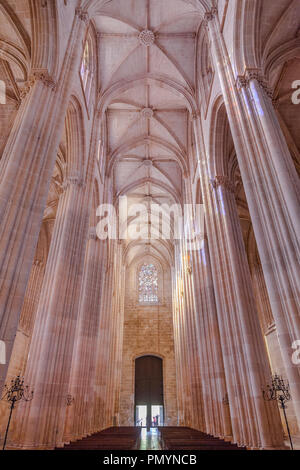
(150, 440)
(162, 438)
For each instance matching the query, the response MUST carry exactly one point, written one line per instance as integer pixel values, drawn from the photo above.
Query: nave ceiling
(148, 68)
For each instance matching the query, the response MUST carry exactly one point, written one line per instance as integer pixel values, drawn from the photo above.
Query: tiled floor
(150, 440)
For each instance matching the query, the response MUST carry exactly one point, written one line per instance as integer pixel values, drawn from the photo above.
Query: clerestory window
(148, 284)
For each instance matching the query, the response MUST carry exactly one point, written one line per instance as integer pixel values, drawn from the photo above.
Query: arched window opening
(85, 65)
(87, 68)
(206, 76)
(148, 284)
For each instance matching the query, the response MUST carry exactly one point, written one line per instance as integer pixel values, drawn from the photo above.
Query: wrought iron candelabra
(13, 394)
(279, 390)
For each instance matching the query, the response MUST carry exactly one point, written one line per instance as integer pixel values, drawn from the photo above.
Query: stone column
(262, 298)
(103, 352)
(179, 343)
(21, 346)
(207, 374)
(116, 335)
(184, 338)
(119, 330)
(177, 350)
(108, 357)
(255, 423)
(272, 190)
(279, 208)
(192, 341)
(51, 350)
(83, 371)
(214, 383)
(20, 352)
(193, 385)
(26, 169)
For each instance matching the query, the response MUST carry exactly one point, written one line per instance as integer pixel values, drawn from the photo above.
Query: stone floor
(150, 440)
(296, 443)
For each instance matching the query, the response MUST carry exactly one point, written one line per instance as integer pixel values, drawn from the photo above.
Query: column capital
(73, 179)
(275, 102)
(92, 233)
(44, 76)
(224, 182)
(58, 186)
(195, 115)
(82, 15)
(38, 262)
(189, 270)
(210, 15)
(36, 75)
(243, 81)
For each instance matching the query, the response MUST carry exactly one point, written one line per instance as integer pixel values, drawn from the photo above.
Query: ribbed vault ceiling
(148, 125)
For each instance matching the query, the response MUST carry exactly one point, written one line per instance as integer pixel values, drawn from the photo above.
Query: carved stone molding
(224, 182)
(210, 15)
(38, 262)
(195, 115)
(58, 186)
(243, 81)
(82, 15)
(146, 37)
(148, 163)
(24, 92)
(147, 113)
(93, 234)
(43, 76)
(35, 76)
(275, 102)
(189, 270)
(74, 180)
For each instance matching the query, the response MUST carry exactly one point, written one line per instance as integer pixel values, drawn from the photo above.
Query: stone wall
(148, 330)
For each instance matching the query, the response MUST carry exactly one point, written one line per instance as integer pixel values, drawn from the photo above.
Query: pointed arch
(204, 68)
(246, 35)
(282, 54)
(221, 143)
(203, 6)
(133, 143)
(149, 78)
(18, 27)
(75, 136)
(137, 184)
(45, 36)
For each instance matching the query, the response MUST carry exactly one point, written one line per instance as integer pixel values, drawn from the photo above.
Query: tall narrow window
(87, 68)
(148, 284)
(85, 65)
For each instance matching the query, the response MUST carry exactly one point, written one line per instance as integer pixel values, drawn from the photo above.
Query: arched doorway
(149, 397)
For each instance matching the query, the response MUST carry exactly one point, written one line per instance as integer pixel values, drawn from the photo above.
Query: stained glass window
(148, 284)
(87, 69)
(85, 65)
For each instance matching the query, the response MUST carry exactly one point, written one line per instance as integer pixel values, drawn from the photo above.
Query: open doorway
(149, 400)
(157, 415)
(141, 415)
